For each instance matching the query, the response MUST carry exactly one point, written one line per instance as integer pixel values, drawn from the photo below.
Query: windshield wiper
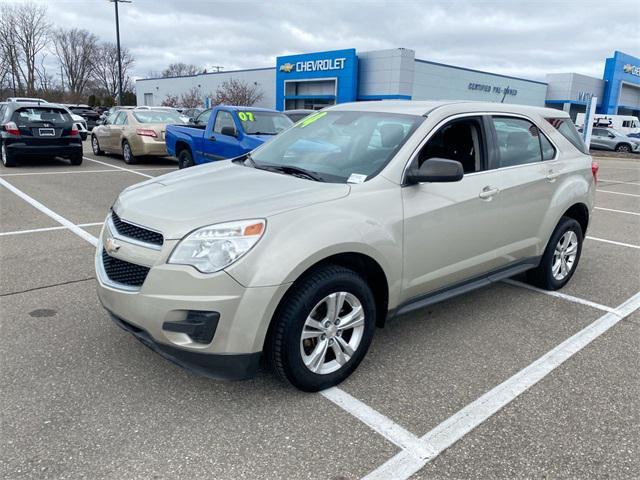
(295, 171)
(263, 133)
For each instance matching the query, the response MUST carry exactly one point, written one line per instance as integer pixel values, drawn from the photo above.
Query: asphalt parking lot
(505, 382)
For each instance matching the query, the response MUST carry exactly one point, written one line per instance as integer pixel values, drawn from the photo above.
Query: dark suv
(90, 115)
(38, 130)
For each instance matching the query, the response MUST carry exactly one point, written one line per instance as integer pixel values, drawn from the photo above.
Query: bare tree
(170, 101)
(25, 31)
(76, 50)
(238, 92)
(181, 69)
(105, 68)
(191, 98)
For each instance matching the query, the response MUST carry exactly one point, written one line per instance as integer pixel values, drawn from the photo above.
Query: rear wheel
(8, 159)
(95, 146)
(76, 159)
(127, 154)
(560, 258)
(185, 159)
(623, 148)
(323, 328)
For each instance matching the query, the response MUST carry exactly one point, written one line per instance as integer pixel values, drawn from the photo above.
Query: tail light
(146, 132)
(74, 131)
(594, 171)
(11, 128)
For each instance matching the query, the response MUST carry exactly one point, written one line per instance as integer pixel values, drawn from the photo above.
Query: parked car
(297, 115)
(192, 113)
(133, 133)
(610, 139)
(223, 132)
(38, 130)
(361, 212)
(89, 115)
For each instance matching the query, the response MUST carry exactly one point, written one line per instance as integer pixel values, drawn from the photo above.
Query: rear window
(568, 130)
(41, 115)
(157, 116)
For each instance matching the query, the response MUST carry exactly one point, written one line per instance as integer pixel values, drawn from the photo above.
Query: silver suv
(356, 214)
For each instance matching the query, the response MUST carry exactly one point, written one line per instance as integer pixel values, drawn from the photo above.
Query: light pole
(115, 3)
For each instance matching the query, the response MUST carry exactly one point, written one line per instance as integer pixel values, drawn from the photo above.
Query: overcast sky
(526, 38)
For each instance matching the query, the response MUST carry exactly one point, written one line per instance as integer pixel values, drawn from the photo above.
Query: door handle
(552, 175)
(488, 192)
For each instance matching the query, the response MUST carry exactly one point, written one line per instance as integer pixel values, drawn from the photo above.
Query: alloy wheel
(95, 146)
(623, 148)
(4, 154)
(126, 151)
(332, 333)
(564, 255)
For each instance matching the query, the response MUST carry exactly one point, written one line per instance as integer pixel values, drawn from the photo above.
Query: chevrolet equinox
(295, 252)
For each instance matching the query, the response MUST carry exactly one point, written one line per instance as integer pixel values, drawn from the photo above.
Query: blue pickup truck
(223, 132)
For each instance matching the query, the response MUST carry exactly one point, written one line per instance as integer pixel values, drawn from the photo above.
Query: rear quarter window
(568, 130)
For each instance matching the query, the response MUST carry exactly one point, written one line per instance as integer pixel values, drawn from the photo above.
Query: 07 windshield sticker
(311, 119)
(246, 116)
(356, 178)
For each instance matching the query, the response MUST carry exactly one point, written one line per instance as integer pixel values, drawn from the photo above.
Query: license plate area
(47, 132)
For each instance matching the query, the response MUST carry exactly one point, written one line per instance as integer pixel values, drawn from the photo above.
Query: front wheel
(560, 258)
(323, 328)
(95, 146)
(623, 148)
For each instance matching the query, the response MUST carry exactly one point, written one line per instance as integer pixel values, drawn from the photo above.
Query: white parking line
(378, 422)
(618, 182)
(118, 167)
(404, 464)
(612, 242)
(618, 193)
(47, 229)
(617, 211)
(22, 174)
(58, 218)
(563, 296)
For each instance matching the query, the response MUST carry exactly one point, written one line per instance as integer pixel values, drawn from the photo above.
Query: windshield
(41, 114)
(157, 116)
(263, 123)
(339, 146)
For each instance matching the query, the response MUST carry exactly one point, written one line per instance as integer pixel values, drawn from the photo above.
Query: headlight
(212, 248)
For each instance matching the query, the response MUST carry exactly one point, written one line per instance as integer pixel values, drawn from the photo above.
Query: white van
(625, 124)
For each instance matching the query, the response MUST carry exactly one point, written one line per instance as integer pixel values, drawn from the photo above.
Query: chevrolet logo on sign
(632, 69)
(287, 67)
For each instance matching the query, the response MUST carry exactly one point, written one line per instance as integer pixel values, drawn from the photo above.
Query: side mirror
(611, 135)
(229, 131)
(191, 120)
(436, 170)
(100, 122)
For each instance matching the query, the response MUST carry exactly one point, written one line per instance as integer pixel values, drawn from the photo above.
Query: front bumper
(171, 293)
(216, 366)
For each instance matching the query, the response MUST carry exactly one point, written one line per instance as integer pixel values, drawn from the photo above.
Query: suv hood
(179, 202)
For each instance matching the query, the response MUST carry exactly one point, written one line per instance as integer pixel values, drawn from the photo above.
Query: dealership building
(316, 80)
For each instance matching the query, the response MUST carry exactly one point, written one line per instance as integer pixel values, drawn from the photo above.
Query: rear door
(116, 131)
(527, 171)
(600, 138)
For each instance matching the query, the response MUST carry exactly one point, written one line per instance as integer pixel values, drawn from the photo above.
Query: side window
(548, 152)
(203, 118)
(120, 118)
(518, 141)
(223, 119)
(461, 140)
(568, 130)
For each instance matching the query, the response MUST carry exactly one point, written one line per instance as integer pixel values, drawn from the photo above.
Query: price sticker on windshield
(246, 116)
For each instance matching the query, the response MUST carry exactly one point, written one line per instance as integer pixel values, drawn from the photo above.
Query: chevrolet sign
(632, 69)
(314, 65)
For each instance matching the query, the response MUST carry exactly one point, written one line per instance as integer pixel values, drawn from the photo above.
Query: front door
(224, 142)
(451, 230)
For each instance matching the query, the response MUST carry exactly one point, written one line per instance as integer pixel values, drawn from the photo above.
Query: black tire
(127, 154)
(283, 349)
(185, 159)
(8, 158)
(95, 146)
(543, 276)
(76, 159)
(623, 148)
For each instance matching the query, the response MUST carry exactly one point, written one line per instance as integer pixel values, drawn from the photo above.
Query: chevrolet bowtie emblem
(111, 246)
(287, 67)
